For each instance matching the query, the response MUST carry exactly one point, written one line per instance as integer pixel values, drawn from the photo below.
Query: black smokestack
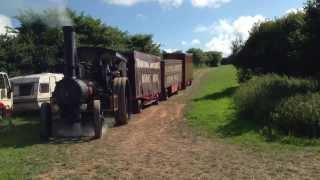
(69, 51)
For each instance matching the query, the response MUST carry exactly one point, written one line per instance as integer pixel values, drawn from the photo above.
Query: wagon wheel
(45, 121)
(121, 90)
(165, 95)
(97, 119)
(138, 106)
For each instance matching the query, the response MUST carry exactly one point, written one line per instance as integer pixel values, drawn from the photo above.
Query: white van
(6, 102)
(30, 91)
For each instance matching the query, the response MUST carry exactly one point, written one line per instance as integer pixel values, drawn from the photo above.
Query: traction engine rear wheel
(97, 119)
(120, 89)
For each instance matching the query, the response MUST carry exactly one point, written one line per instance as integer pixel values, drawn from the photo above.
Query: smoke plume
(57, 11)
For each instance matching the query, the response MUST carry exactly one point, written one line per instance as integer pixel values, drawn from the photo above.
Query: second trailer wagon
(144, 76)
(171, 77)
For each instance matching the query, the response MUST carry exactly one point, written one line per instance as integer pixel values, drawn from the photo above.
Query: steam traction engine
(95, 91)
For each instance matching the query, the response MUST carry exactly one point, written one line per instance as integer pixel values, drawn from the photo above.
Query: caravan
(30, 91)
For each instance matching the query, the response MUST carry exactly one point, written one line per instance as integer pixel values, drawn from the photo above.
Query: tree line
(36, 45)
(286, 45)
(206, 58)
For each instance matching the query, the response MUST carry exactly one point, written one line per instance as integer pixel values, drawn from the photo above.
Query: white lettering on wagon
(150, 78)
(144, 64)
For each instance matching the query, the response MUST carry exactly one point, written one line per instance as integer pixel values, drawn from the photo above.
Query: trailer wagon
(187, 67)
(171, 77)
(144, 76)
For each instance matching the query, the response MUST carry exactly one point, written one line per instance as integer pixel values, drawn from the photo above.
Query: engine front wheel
(45, 121)
(97, 119)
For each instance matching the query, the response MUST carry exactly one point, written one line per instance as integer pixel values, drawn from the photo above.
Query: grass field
(22, 155)
(211, 112)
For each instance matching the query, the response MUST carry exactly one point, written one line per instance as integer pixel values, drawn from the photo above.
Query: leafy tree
(274, 46)
(143, 43)
(38, 45)
(312, 32)
(214, 58)
(199, 57)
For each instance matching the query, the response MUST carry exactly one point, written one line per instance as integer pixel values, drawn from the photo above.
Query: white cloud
(208, 3)
(170, 50)
(294, 10)
(163, 3)
(4, 22)
(200, 28)
(183, 43)
(195, 42)
(170, 3)
(141, 16)
(224, 32)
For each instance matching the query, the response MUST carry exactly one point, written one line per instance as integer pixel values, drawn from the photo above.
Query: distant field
(211, 112)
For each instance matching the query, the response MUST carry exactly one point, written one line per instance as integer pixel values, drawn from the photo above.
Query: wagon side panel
(147, 76)
(173, 74)
(188, 69)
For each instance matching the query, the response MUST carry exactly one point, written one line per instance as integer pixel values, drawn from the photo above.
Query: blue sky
(175, 24)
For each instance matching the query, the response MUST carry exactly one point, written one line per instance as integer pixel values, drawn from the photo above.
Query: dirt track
(157, 144)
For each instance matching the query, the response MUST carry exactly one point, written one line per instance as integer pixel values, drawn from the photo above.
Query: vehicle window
(2, 82)
(26, 89)
(6, 81)
(15, 91)
(44, 88)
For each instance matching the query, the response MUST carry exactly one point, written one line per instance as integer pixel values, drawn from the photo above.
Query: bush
(244, 75)
(259, 97)
(299, 115)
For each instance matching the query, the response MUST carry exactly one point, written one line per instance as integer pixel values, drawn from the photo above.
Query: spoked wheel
(121, 90)
(97, 119)
(45, 121)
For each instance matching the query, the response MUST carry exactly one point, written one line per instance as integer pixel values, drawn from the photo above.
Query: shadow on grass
(238, 125)
(218, 95)
(20, 134)
(25, 131)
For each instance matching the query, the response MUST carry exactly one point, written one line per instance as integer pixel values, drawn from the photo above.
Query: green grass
(211, 112)
(22, 154)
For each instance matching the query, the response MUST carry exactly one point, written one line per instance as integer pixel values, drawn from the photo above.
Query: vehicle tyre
(165, 95)
(122, 114)
(97, 119)
(138, 106)
(156, 102)
(45, 121)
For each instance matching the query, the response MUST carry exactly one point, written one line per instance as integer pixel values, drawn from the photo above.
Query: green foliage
(244, 75)
(38, 44)
(143, 43)
(299, 115)
(287, 45)
(275, 46)
(261, 99)
(214, 58)
(199, 57)
(212, 112)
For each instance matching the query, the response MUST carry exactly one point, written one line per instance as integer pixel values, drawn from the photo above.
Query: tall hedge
(288, 45)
